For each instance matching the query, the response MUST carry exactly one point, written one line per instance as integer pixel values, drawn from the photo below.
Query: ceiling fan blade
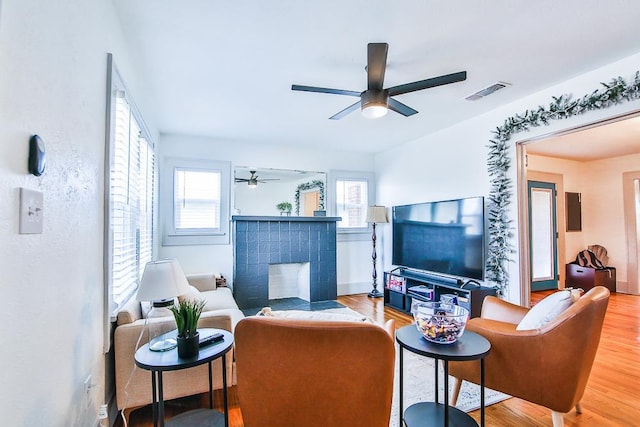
(241, 180)
(376, 64)
(325, 90)
(401, 108)
(341, 114)
(425, 84)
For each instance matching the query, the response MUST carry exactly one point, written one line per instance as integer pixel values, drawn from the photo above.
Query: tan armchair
(314, 373)
(548, 366)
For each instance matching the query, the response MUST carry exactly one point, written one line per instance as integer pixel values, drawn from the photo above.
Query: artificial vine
(316, 183)
(500, 246)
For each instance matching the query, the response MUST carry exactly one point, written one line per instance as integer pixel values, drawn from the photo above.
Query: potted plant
(284, 207)
(187, 312)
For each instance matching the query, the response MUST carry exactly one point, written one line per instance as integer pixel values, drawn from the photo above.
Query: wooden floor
(612, 397)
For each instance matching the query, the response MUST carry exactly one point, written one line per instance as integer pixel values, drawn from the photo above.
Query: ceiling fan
(375, 101)
(253, 180)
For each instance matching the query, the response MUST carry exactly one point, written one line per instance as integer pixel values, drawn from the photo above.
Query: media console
(403, 285)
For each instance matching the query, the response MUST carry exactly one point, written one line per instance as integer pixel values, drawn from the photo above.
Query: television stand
(401, 286)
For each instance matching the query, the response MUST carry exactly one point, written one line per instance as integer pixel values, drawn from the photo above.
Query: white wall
(353, 257)
(53, 80)
(452, 163)
(604, 204)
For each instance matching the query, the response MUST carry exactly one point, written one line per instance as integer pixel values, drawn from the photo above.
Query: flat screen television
(444, 237)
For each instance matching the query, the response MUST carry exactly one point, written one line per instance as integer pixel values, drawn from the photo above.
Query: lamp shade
(162, 279)
(377, 214)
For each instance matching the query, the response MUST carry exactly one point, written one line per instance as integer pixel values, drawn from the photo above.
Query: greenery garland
(316, 183)
(500, 246)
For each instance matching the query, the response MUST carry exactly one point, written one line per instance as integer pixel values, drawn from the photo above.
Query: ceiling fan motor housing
(375, 102)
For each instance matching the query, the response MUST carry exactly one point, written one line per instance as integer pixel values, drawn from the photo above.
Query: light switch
(30, 211)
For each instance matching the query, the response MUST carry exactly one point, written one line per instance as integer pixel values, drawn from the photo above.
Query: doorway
(613, 137)
(543, 233)
(310, 202)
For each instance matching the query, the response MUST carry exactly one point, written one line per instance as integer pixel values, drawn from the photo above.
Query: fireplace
(269, 243)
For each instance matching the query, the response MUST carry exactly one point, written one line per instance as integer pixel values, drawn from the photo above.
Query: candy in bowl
(439, 322)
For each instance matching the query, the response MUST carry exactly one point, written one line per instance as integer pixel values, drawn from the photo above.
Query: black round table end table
(470, 346)
(159, 362)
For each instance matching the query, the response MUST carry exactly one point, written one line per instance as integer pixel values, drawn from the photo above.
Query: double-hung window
(195, 201)
(351, 203)
(352, 193)
(130, 193)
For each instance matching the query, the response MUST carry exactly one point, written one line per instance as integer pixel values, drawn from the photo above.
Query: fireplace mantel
(259, 241)
(284, 218)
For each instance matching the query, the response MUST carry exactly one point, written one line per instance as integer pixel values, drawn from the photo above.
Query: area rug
(419, 384)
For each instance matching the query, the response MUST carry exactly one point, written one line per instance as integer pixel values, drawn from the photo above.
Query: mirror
(257, 191)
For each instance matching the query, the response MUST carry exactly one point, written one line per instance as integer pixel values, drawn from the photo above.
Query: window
(351, 193)
(194, 201)
(351, 203)
(130, 193)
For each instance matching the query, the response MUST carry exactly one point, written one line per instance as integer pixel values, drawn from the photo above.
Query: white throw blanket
(334, 314)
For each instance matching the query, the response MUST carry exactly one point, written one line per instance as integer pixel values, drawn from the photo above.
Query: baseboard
(356, 288)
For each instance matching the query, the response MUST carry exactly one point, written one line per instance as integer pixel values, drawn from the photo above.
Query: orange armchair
(548, 366)
(314, 373)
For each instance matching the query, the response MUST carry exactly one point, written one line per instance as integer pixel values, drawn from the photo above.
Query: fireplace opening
(289, 280)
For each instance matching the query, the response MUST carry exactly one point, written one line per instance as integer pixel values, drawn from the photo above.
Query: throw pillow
(204, 281)
(548, 309)
(192, 294)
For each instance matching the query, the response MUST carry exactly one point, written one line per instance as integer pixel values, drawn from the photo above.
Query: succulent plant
(187, 312)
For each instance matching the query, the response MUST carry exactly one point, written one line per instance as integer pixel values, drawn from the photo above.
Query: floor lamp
(376, 214)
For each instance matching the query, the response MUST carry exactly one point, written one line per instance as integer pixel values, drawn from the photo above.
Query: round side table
(470, 346)
(159, 361)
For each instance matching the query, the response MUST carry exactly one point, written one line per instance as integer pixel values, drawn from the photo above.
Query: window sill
(201, 239)
(353, 236)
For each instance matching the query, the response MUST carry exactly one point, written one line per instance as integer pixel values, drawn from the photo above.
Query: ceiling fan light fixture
(374, 103)
(374, 111)
(252, 183)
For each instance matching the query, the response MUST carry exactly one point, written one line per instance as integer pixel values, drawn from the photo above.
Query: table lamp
(162, 281)
(375, 214)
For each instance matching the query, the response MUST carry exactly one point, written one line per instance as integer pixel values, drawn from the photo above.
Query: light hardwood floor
(612, 397)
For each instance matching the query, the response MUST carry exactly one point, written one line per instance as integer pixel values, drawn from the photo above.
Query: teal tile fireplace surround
(263, 240)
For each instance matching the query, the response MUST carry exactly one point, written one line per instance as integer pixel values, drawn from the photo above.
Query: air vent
(487, 91)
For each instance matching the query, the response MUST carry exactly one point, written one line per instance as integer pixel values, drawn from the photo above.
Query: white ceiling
(610, 140)
(225, 69)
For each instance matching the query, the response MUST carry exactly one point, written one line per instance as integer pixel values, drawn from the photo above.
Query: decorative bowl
(439, 322)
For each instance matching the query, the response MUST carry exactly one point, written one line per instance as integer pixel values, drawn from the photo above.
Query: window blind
(131, 202)
(196, 200)
(351, 203)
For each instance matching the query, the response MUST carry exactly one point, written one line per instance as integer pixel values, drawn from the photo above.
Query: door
(543, 236)
(310, 202)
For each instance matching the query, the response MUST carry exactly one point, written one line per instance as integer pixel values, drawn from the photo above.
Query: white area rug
(419, 384)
